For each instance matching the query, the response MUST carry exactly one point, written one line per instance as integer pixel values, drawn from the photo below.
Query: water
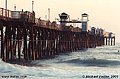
(100, 61)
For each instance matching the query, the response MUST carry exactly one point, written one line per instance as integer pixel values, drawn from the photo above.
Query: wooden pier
(23, 37)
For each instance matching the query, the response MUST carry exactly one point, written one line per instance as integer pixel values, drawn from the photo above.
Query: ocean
(94, 63)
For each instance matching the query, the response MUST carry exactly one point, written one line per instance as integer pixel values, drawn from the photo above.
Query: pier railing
(5, 14)
(17, 15)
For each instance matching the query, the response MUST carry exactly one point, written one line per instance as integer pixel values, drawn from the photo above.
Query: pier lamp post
(15, 7)
(5, 4)
(46, 17)
(49, 16)
(32, 5)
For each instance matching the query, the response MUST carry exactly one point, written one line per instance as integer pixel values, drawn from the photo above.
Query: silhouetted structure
(33, 41)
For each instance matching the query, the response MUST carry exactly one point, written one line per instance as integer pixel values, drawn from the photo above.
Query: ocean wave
(73, 65)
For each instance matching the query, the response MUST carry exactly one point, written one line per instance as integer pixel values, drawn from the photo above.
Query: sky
(102, 13)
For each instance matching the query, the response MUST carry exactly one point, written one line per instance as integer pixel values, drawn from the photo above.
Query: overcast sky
(102, 13)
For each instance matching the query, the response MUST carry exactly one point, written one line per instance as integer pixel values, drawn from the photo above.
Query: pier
(110, 39)
(23, 36)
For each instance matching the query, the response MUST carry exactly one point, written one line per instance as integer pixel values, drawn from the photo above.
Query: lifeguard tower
(85, 22)
(63, 18)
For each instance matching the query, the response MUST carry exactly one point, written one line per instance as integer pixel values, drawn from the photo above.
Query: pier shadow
(93, 62)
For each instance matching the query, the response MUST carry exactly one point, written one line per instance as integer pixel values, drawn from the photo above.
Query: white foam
(51, 72)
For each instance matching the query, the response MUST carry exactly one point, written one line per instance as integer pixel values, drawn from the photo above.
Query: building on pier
(109, 38)
(93, 30)
(85, 22)
(63, 18)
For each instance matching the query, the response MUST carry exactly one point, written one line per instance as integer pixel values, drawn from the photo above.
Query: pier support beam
(19, 38)
(2, 42)
(114, 40)
(111, 41)
(39, 43)
(106, 41)
(11, 41)
(7, 41)
(33, 49)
